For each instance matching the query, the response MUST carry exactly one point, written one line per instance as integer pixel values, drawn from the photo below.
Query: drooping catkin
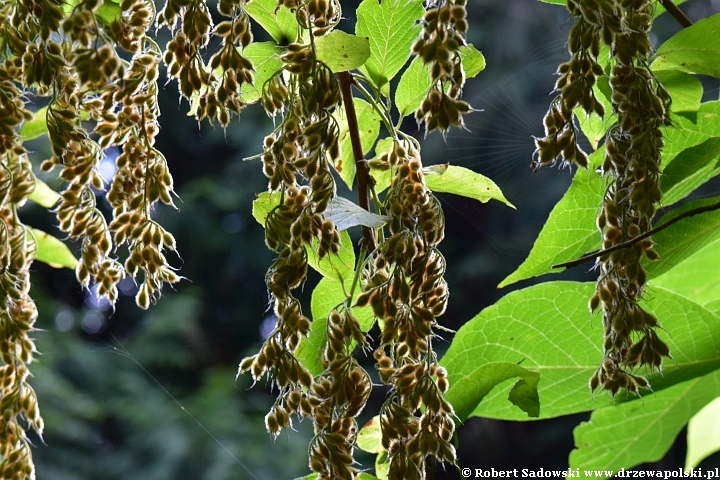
(633, 146)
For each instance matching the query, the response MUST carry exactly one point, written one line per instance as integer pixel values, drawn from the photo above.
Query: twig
(363, 174)
(677, 14)
(633, 241)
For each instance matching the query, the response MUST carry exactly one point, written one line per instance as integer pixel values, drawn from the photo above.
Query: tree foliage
(94, 70)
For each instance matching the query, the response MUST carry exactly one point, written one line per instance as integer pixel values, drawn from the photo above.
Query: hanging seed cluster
(215, 87)
(444, 27)
(405, 287)
(575, 84)
(633, 148)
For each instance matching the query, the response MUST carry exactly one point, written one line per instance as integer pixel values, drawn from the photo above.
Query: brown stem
(677, 14)
(633, 241)
(363, 174)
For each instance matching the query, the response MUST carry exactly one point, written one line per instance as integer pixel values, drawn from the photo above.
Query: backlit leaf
(341, 51)
(465, 182)
(280, 23)
(697, 278)
(52, 251)
(703, 434)
(685, 89)
(392, 27)
(685, 172)
(35, 127)
(265, 56)
(695, 49)
(369, 438)
(44, 195)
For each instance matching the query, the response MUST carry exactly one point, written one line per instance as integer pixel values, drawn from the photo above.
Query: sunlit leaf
(345, 214)
(570, 230)
(328, 294)
(265, 56)
(392, 27)
(341, 51)
(35, 127)
(338, 267)
(416, 81)
(680, 240)
(465, 182)
(592, 125)
(640, 431)
(697, 278)
(52, 251)
(683, 174)
(549, 329)
(280, 23)
(703, 434)
(369, 438)
(695, 49)
(44, 195)
(685, 89)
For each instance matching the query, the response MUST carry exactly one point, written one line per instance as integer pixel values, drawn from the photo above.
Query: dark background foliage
(152, 395)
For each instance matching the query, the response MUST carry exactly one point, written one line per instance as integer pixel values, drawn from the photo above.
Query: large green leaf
(570, 230)
(392, 27)
(697, 278)
(36, 127)
(685, 89)
(467, 392)
(338, 267)
(695, 49)
(341, 51)
(43, 195)
(415, 81)
(548, 328)
(280, 23)
(265, 56)
(369, 438)
(640, 431)
(369, 127)
(52, 251)
(703, 434)
(328, 294)
(465, 182)
(685, 172)
(680, 240)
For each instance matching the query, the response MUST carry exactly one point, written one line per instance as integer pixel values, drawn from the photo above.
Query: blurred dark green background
(130, 394)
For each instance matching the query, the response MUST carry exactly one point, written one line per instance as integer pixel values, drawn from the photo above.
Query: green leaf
(416, 80)
(369, 438)
(570, 230)
(44, 195)
(382, 466)
(338, 267)
(35, 127)
(328, 294)
(473, 61)
(52, 251)
(695, 49)
(640, 431)
(465, 182)
(345, 214)
(697, 278)
(109, 11)
(684, 173)
(265, 56)
(342, 51)
(280, 23)
(680, 240)
(685, 89)
(369, 127)
(703, 435)
(548, 328)
(467, 392)
(592, 125)
(391, 26)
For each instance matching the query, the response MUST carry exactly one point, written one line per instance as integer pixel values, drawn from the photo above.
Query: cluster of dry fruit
(633, 146)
